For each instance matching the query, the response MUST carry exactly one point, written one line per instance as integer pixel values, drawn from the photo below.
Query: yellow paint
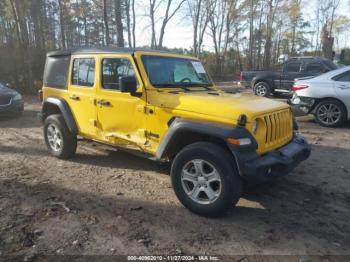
(130, 120)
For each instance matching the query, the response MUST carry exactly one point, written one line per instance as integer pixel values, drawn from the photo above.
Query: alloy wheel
(260, 90)
(54, 137)
(201, 181)
(329, 114)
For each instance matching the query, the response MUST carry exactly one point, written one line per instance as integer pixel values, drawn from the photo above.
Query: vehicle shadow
(119, 159)
(311, 119)
(25, 150)
(28, 119)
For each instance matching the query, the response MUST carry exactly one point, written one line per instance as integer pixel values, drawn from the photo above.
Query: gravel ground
(110, 202)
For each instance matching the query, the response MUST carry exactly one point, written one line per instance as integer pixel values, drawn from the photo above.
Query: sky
(179, 29)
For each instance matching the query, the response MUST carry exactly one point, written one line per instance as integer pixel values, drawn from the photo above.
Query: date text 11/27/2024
(173, 258)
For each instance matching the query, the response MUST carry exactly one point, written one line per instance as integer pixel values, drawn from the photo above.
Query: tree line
(228, 35)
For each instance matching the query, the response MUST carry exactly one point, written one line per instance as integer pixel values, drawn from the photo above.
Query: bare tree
(168, 15)
(270, 18)
(127, 4)
(61, 6)
(130, 21)
(251, 32)
(133, 23)
(328, 10)
(152, 9)
(119, 23)
(105, 20)
(198, 11)
(221, 14)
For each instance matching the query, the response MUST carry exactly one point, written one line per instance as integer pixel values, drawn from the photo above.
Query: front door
(342, 87)
(121, 116)
(81, 93)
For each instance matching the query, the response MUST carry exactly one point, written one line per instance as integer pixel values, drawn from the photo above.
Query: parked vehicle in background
(326, 96)
(265, 83)
(164, 106)
(11, 102)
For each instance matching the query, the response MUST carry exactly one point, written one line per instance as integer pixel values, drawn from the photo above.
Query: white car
(326, 96)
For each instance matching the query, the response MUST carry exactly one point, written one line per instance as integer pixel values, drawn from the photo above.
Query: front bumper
(255, 168)
(14, 108)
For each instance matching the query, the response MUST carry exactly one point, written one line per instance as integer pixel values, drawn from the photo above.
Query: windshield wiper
(205, 86)
(172, 85)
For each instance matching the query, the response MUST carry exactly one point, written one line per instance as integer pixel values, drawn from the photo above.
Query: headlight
(17, 97)
(255, 126)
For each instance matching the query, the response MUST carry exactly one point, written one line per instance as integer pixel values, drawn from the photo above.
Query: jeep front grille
(279, 129)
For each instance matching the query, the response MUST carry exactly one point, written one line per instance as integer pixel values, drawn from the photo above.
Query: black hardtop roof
(99, 50)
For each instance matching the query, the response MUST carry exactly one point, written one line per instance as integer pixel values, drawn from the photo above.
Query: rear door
(342, 87)
(82, 89)
(291, 70)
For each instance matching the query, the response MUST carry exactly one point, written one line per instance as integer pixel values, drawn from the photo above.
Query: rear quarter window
(292, 67)
(314, 68)
(56, 72)
(343, 77)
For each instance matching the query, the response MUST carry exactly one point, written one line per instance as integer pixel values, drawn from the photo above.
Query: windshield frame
(183, 85)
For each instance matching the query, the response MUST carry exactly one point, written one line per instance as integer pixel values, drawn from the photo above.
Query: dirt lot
(107, 202)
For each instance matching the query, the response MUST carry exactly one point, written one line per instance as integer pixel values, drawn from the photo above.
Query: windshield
(173, 72)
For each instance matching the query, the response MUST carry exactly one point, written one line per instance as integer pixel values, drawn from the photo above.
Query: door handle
(103, 103)
(344, 87)
(74, 97)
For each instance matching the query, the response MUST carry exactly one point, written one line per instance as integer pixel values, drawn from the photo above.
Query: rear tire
(262, 89)
(59, 140)
(330, 113)
(205, 179)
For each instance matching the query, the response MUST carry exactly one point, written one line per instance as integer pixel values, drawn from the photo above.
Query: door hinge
(93, 122)
(150, 134)
(148, 110)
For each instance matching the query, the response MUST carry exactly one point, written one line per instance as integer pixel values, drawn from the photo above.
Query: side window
(344, 77)
(292, 67)
(314, 68)
(113, 69)
(83, 72)
(56, 72)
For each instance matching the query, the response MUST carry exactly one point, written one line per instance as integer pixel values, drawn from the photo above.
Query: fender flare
(65, 111)
(179, 127)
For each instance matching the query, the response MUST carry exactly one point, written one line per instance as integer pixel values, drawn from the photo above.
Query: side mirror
(128, 84)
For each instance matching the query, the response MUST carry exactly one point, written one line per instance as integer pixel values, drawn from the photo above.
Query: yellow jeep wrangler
(164, 106)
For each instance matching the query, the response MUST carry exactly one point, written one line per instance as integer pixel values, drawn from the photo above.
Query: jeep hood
(219, 104)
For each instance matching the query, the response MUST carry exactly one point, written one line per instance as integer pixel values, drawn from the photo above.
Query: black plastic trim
(257, 169)
(179, 127)
(65, 111)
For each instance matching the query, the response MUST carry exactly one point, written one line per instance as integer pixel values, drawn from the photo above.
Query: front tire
(205, 179)
(59, 140)
(330, 113)
(262, 89)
